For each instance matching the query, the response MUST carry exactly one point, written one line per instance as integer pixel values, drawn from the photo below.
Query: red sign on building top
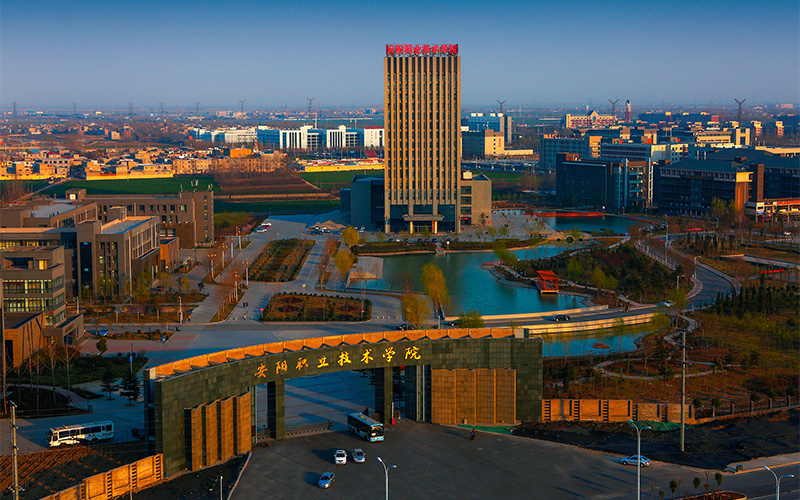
(422, 50)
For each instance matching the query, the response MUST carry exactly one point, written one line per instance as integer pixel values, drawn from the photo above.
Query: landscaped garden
(622, 269)
(281, 260)
(303, 307)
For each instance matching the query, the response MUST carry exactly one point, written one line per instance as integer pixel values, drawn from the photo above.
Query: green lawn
(327, 180)
(135, 186)
(500, 176)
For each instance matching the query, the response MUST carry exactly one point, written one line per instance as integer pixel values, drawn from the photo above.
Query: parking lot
(441, 462)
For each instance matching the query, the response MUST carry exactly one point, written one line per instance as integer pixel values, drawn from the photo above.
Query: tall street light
(778, 482)
(386, 474)
(638, 457)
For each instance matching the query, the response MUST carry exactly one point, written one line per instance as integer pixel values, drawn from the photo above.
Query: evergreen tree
(131, 388)
(107, 383)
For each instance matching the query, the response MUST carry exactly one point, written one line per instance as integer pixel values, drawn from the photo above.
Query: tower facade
(628, 111)
(422, 109)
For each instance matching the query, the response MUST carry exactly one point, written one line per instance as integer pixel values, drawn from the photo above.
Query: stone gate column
(383, 393)
(276, 409)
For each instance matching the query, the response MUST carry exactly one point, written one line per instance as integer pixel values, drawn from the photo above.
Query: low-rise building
(483, 144)
(34, 281)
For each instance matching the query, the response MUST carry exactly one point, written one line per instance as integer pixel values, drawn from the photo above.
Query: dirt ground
(201, 485)
(711, 446)
(69, 473)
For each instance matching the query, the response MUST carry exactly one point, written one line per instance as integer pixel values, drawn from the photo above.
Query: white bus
(81, 433)
(367, 428)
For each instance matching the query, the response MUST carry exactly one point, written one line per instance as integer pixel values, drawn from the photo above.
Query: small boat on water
(600, 345)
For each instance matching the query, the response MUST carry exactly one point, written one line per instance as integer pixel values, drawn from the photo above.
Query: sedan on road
(326, 479)
(561, 317)
(358, 456)
(340, 457)
(631, 460)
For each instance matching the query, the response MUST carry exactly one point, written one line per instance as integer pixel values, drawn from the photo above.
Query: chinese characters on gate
(424, 50)
(367, 356)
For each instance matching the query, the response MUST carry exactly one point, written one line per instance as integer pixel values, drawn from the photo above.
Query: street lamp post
(638, 458)
(386, 474)
(778, 482)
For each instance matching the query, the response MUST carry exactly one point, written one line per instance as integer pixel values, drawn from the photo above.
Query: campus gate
(201, 410)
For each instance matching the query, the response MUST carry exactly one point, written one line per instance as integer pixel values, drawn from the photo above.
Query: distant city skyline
(103, 55)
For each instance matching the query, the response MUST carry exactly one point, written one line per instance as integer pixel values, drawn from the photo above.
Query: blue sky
(109, 53)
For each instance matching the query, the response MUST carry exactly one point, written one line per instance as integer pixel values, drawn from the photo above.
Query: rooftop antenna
(241, 105)
(739, 114)
(501, 103)
(613, 107)
(310, 104)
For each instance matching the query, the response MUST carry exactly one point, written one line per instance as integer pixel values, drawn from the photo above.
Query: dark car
(561, 317)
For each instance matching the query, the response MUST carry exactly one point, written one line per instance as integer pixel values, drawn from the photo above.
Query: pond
(574, 344)
(590, 224)
(472, 287)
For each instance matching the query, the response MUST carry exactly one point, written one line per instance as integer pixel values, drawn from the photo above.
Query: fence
(116, 482)
(620, 410)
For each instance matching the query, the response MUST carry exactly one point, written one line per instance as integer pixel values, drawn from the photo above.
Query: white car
(358, 456)
(340, 457)
(631, 460)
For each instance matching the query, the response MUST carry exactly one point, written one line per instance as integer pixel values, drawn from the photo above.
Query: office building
(587, 146)
(690, 186)
(483, 144)
(592, 119)
(499, 122)
(187, 215)
(34, 281)
(600, 183)
(422, 103)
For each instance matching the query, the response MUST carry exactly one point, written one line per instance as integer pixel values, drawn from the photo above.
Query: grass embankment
(136, 186)
(281, 260)
(374, 247)
(302, 307)
(276, 207)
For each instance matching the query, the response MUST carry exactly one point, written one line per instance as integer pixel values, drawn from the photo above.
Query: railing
(313, 428)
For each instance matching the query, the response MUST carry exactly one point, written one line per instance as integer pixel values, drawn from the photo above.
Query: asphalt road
(442, 463)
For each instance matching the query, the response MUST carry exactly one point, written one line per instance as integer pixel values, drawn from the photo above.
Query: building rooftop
(13, 321)
(57, 208)
(708, 166)
(122, 226)
(35, 230)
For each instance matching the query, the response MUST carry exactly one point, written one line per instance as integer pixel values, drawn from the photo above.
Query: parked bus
(367, 428)
(81, 433)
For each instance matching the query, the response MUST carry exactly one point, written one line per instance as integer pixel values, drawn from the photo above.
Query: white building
(226, 136)
(371, 138)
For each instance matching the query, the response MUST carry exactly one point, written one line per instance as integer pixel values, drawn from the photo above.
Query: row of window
(33, 304)
(33, 286)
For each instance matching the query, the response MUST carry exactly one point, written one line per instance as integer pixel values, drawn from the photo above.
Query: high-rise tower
(628, 111)
(422, 106)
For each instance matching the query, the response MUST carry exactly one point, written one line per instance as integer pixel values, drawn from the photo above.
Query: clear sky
(271, 53)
